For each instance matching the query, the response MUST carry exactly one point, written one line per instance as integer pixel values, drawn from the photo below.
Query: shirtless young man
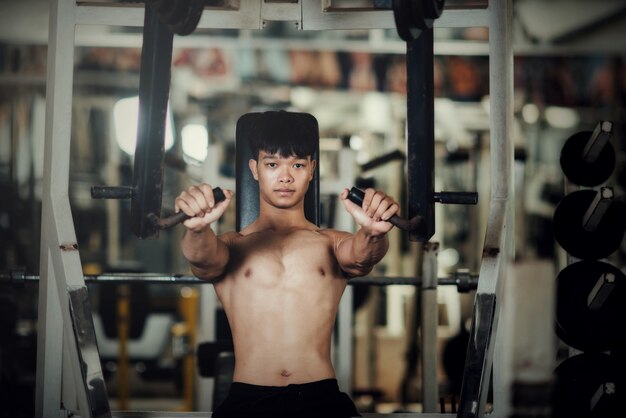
(281, 278)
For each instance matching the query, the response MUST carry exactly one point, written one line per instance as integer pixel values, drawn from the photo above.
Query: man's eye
(271, 165)
(298, 165)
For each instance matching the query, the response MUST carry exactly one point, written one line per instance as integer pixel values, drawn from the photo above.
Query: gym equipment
(154, 85)
(65, 359)
(414, 23)
(414, 16)
(356, 196)
(170, 221)
(587, 158)
(589, 385)
(589, 224)
(499, 237)
(590, 306)
(180, 16)
(464, 281)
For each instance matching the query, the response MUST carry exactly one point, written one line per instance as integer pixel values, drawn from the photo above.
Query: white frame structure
(64, 386)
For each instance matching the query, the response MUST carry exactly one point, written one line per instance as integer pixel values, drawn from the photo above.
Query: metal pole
(64, 324)
(188, 306)
(123, 329)
(464, 281)
(502, 158)
(430, 323)
(484, 348)
(58, 116)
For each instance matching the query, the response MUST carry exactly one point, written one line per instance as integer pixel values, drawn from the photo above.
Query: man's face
(283, 181)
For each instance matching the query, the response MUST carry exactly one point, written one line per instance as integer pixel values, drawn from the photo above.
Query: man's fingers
(392, 210)
(376, 201)
(367, 199)
(184, 206)
(382, 207)
(207, 195)
(199, 203)
(200, 198)
(195, 200)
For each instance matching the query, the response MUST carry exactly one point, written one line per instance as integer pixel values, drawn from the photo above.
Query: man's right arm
(207, 253)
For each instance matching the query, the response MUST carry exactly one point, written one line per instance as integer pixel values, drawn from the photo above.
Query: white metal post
(60, 262)
(49, 341)
(502, 170)
(58, 111)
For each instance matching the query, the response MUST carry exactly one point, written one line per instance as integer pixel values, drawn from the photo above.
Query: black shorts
(315, 399)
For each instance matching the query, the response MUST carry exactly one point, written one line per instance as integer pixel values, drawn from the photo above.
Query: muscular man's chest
(283, 255)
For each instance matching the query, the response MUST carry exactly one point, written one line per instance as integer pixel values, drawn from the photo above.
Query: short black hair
(280, 132)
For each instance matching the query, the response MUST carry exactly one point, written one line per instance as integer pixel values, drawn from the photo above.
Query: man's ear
(253, 167)
(313, 165)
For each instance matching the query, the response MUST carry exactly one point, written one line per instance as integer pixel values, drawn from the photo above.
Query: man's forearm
(206, 253)
(366, 251)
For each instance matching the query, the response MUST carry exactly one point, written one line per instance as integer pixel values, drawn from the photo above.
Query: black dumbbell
(590, 306)
(589, 224)
(589, 385)
(587, 158)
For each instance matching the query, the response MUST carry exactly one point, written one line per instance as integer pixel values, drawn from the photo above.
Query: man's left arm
(358, 253)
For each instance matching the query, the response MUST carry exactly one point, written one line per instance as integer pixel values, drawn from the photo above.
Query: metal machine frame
(66, 352)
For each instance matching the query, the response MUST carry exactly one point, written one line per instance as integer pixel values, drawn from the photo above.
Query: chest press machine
(69, 378)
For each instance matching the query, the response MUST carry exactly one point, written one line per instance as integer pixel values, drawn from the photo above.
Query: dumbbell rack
(589, 225)
(69, 378)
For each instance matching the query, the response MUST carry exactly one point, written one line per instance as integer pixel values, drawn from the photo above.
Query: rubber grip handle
(170, 221)
(356, 196)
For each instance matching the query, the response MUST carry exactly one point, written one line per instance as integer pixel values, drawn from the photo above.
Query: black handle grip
(356, 195)
(170, 221)
(112, 192)
(456, 198)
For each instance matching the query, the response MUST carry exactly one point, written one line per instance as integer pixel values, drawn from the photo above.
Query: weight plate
(581, 327)
(577, 380)
(583, 173)
(570, 234)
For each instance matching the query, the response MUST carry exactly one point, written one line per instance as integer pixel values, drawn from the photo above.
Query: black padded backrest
(247, 201)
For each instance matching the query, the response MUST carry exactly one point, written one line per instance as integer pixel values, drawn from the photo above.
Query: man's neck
(281, 219)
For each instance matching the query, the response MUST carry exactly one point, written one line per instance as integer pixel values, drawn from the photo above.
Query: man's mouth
(285, 191)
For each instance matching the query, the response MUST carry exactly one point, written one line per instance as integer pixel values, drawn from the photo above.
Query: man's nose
(285, 176)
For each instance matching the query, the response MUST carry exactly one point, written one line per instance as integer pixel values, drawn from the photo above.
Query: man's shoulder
(230, 236)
